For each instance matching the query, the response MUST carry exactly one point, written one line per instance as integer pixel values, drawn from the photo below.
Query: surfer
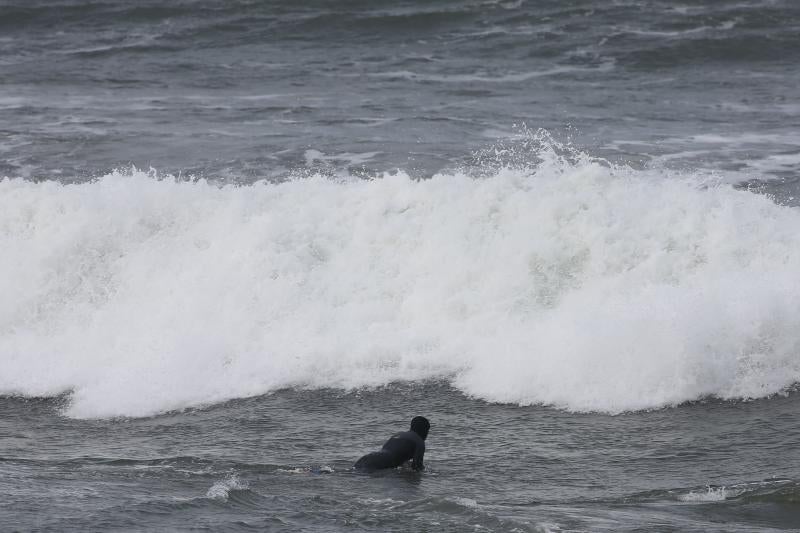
(401, 447)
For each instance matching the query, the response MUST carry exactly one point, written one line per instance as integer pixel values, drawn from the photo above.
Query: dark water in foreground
(282, 461)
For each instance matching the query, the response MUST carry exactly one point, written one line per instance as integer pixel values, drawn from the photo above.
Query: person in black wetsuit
(401, 447)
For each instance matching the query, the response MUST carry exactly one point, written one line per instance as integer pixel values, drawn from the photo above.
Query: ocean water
(241, 243)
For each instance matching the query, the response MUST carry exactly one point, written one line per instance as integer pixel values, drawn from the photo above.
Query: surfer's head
(420, 426)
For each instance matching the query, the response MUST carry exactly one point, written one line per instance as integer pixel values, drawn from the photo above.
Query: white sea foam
(577, 285)
(500, 78)
(296, 470)
(727, 25)
(222, 489)
(464, 502)
(710, 494)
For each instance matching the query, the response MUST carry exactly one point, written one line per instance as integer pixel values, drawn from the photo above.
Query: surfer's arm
(416, 461)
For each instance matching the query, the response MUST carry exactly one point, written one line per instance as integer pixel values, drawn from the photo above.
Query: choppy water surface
(283, 461)
(243, 242)
(248, 90)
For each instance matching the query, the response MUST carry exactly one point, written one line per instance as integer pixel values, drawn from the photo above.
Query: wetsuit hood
(420, 426)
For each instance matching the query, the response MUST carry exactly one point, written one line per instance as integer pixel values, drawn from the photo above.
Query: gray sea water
(242, 243)
(282, 462)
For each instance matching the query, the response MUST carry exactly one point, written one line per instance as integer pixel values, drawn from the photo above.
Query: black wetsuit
(397, 450)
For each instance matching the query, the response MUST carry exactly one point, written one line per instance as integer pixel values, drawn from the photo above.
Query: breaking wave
(570, 282)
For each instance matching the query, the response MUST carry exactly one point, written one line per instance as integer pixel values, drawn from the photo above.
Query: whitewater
(572, 283)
